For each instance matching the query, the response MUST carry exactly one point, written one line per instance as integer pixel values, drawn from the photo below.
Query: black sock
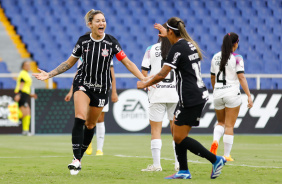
(198, 149)
(77, 137)
(181, 153)
(88, 135)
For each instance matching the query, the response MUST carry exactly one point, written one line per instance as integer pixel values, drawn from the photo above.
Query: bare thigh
(81, 104)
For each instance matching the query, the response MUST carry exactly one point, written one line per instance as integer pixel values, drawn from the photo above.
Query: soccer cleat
(75, 166)
(214, 147)
(217, 167)
(89, 150)
(176, 166)
(228, 158)
(152, 168)
(99, 153)
(182, 174)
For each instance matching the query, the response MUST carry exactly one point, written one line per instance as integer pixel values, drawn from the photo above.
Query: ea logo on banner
(131, 111)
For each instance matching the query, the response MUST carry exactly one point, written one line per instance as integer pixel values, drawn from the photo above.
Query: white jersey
(227, 82)
(165, 91)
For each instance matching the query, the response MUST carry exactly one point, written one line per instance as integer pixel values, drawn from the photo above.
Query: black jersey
(94, 72)
(183, 57)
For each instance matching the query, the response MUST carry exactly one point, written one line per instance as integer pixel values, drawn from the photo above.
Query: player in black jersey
(92, 82)
(185, 56)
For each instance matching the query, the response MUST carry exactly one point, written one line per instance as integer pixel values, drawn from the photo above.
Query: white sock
(156, 145)
(218, 132)
(228, 142)
(175, 157)
(100, 133)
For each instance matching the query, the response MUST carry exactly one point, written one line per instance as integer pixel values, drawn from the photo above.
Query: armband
(121, 55)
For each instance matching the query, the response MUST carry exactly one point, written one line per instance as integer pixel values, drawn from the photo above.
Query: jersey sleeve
(173, 57)
(146, 62)
(212, 67)
(117, 50)
(239, 64)
(77, 50)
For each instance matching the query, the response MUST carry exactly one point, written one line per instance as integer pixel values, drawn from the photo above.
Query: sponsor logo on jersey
(86, 41)
(75, 48)
(176, 55)
(105, 52)
(107, 42)
(131, 112)
(165, 86)
(92, 85)
(81, 88)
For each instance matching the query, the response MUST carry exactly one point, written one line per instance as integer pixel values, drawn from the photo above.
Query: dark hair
(23, 64)
(226, 48)
(165, 45)
(178, 27)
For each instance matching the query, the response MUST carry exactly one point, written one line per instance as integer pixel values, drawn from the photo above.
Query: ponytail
(178, 27)
(226, 48)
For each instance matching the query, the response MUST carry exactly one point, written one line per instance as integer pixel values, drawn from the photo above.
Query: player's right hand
(42, 75)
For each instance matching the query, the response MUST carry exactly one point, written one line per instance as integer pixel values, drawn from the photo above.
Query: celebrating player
(92, 82)
(185, 56)
(227, 73)
(163, 99)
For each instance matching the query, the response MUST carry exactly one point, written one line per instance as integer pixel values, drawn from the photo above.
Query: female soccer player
(22, 90)
(227, 73)
(185, 56)
(162, 99)
(92, 82)
(100, 126)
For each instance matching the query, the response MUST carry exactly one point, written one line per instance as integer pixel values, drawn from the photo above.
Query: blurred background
(37, 29)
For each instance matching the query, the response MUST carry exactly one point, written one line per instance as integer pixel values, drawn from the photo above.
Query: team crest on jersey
(105, 52)
(81, 88)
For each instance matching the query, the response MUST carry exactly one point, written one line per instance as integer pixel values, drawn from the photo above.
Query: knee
(177, 139)
(80, 116)
(90, 124)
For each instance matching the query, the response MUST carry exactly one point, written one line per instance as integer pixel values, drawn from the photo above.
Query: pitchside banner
(9, 120)
(130, 113)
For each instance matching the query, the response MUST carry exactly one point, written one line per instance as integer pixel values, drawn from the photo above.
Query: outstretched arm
(157, 78)
(60, 69)
(132, 68)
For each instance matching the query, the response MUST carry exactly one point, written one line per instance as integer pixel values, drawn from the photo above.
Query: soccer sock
(100, 133)
(175, 157)
(218, 133)
(77, 137)
(156, 146)
(198, 149)
(228, 142)
(26, 123)
(88, 135)
(181, 152)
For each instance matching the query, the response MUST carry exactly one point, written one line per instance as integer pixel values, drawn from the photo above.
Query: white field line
(127, 156)
(196, 161)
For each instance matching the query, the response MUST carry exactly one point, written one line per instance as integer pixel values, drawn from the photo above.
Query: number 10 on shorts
(101, 103)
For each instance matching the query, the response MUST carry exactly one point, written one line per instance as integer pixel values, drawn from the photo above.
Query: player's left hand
(114, 97)
(161, 29)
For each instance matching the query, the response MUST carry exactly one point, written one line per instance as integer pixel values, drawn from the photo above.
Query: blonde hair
(178, 27)
(90, 15)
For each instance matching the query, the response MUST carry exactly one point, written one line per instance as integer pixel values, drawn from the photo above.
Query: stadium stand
(45, 24)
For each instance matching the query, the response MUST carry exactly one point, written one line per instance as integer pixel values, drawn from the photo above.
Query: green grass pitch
(44, 159)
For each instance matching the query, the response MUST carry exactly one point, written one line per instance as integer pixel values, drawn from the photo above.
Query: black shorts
(96, 99)
(24, 100)
(189, 115)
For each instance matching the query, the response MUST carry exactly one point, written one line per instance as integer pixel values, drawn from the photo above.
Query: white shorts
(106, 108)
(228, 101)
(158, 110)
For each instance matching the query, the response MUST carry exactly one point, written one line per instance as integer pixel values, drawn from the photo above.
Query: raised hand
(161, 29)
